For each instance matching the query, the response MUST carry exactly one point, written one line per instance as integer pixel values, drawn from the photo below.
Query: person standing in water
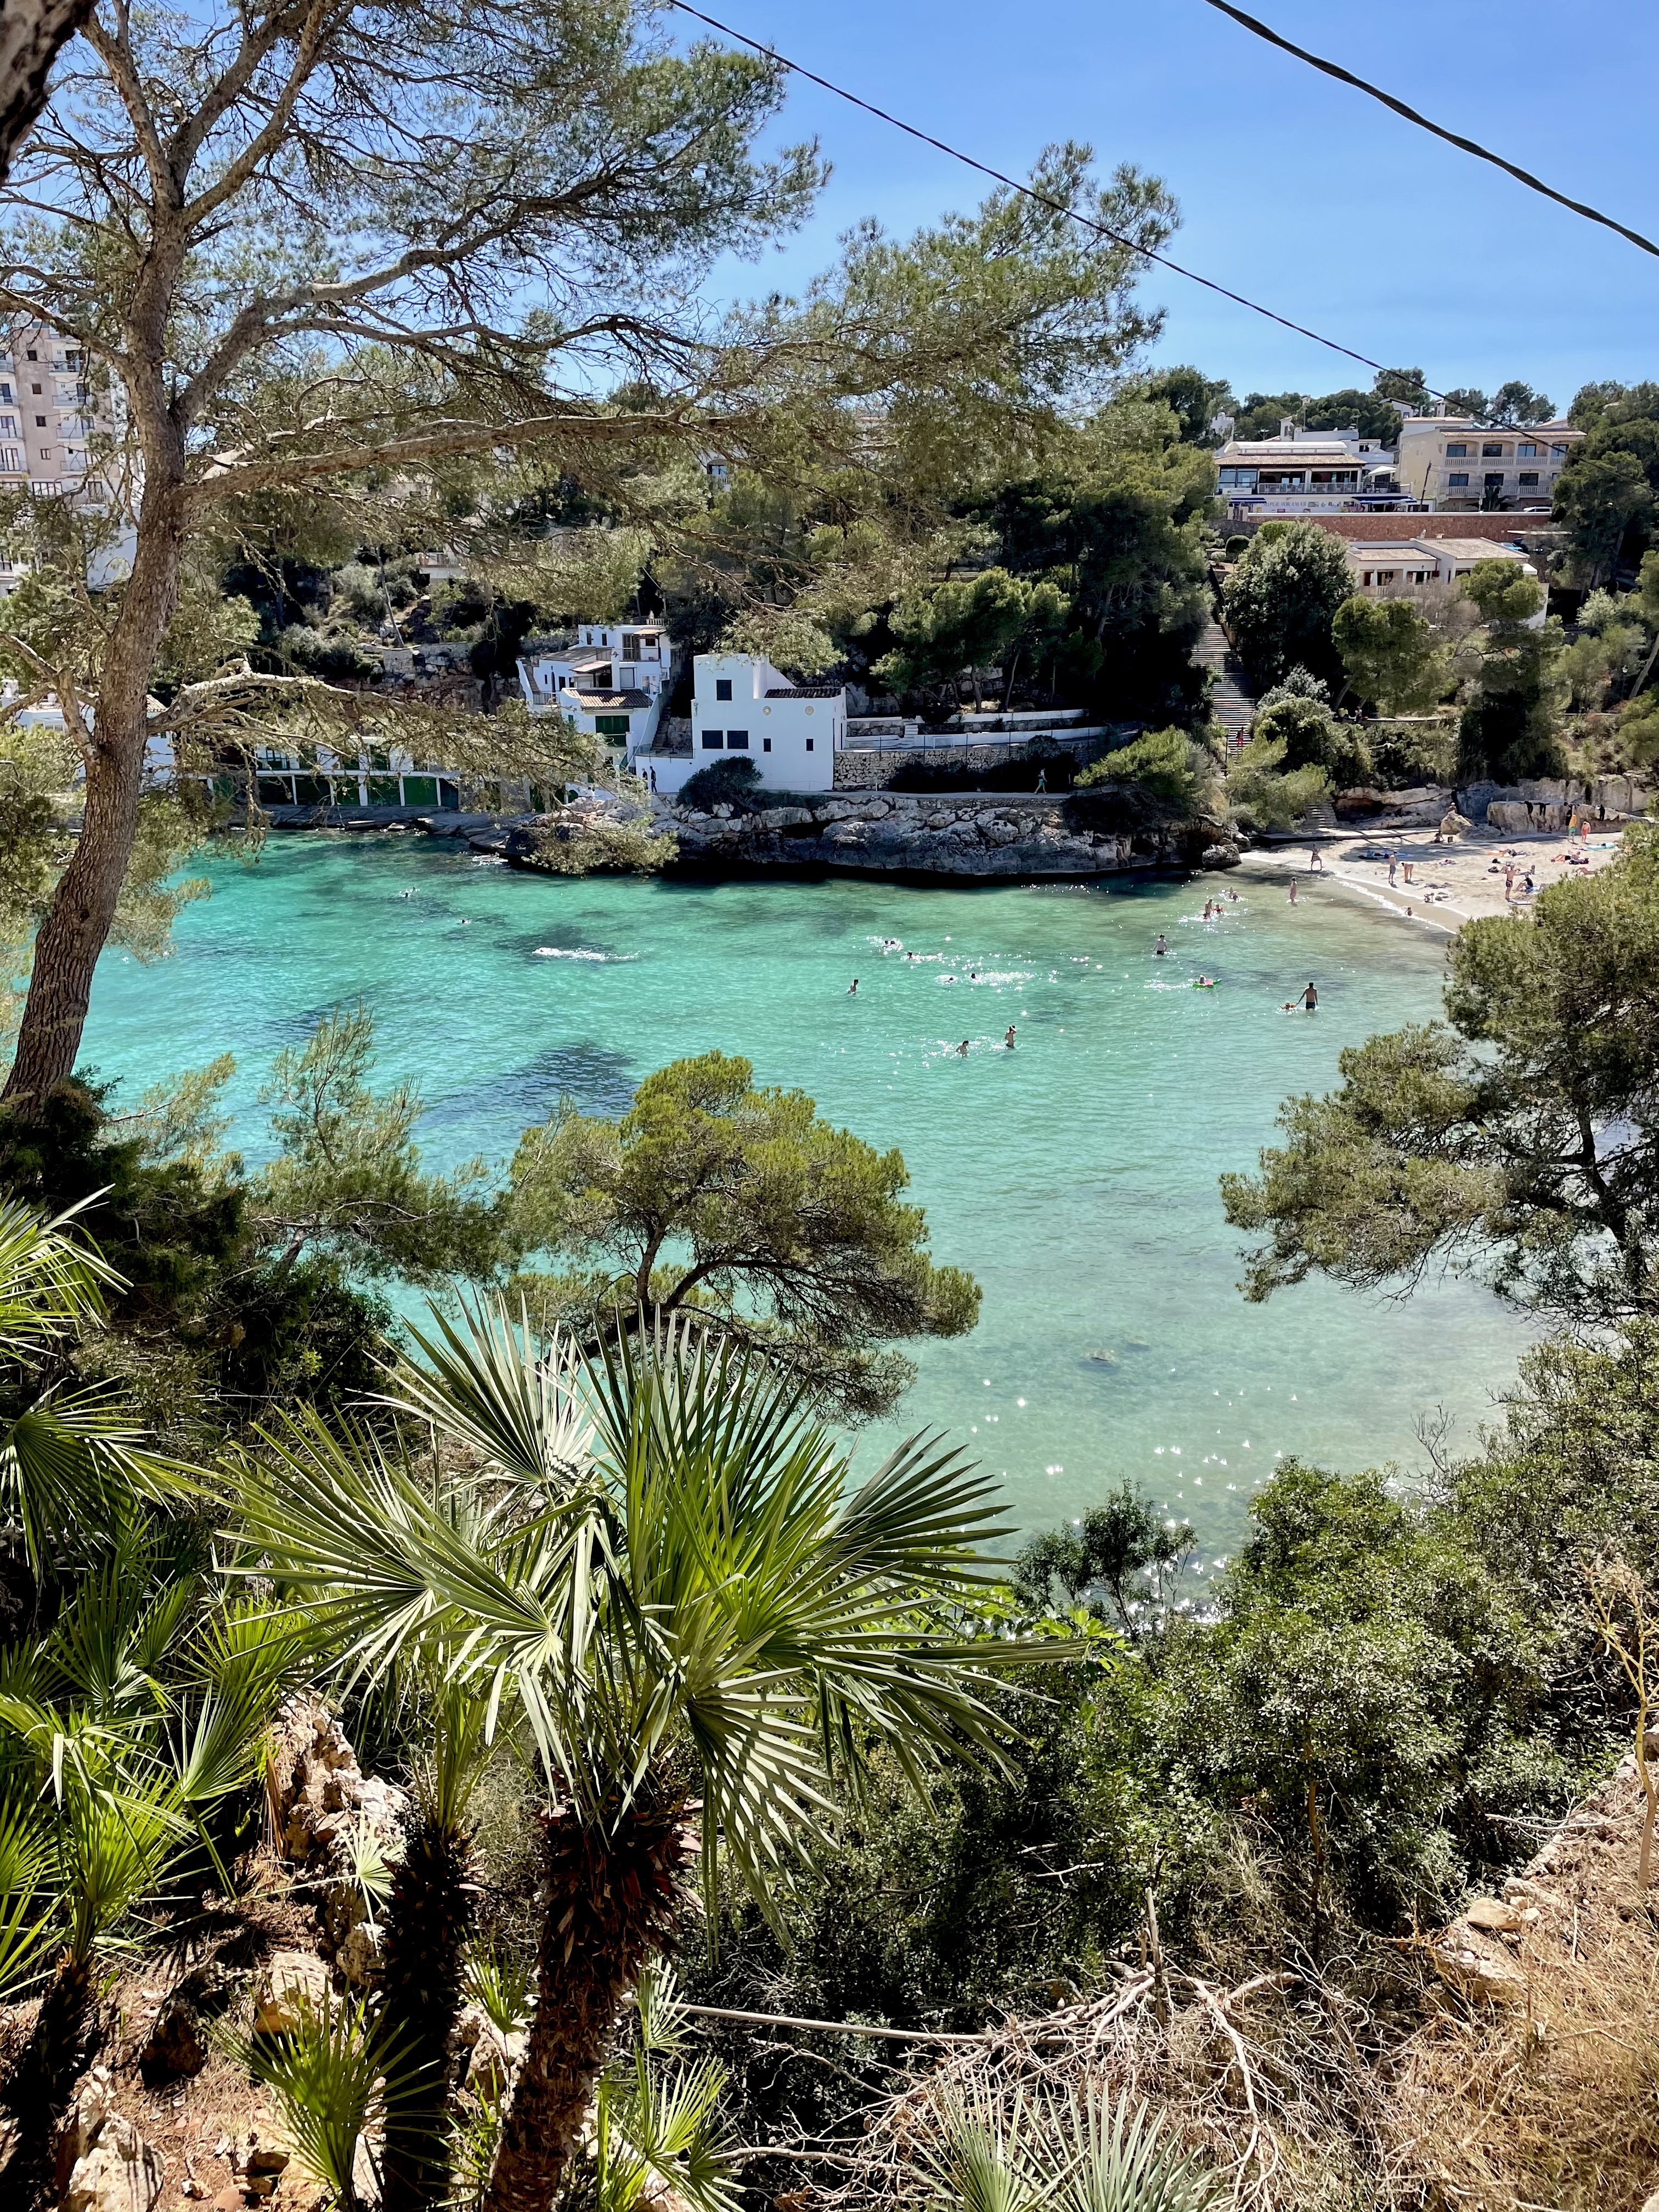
(852, 988)
(1008, 1042)
(1292, 891)
(1311, 1000)
(1160, 948)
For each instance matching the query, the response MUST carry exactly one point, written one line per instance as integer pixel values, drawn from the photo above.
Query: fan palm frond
(332, 2078)
(51, 1281)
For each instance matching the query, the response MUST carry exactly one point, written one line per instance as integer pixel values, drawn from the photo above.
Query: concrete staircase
(1231, 703)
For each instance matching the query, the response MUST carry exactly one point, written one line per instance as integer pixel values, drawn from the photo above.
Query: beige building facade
(47, 414)
(1450, 462)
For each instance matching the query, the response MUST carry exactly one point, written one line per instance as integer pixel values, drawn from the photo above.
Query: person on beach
(1408, 865)
(1311, 1000)
(1392, 865)
(1160, 948)
(1008, 1041)
(1315, 866)
(1509, 883)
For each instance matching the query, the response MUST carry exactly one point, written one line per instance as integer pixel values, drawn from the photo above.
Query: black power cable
(1057, 207)
(1261, 30)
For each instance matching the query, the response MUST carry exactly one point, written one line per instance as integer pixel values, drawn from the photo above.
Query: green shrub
(1426, 753)
(1160, 765)
(725, 783)
(1237, 546)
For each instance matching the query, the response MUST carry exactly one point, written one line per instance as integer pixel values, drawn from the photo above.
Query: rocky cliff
(976, 834)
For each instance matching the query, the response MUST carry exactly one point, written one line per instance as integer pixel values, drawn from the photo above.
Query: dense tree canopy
(712, 1196)
(1391, 654)
(1515, 1139)
(1281, 597)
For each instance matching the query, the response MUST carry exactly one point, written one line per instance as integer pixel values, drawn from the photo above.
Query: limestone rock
(495, 2056)
(1491, 1914)
(1218, 856)
(292, 1983)
(317, 1787)
(1471, 1962)
(111, 2168)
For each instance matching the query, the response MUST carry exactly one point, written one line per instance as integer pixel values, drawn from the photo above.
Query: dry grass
(1556, 2103)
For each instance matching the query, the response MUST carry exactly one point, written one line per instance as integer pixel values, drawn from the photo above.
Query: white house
(1305, 472)
(745, 709)
(613, 683)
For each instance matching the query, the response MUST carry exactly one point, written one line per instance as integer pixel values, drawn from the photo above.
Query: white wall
(793, 741)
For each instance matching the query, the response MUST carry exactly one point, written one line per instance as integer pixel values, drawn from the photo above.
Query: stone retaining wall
(860, 770)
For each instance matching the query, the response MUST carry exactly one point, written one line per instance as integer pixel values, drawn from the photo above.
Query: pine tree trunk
(611, 1894)
(32, 33)
(427, 1924)
(78, 920)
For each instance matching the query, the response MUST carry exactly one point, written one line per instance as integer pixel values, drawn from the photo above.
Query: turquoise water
(1075, 1176)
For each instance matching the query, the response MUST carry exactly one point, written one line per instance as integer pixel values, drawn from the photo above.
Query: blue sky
(1294, 190)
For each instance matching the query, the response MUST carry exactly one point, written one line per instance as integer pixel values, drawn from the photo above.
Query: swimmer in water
(1160, 948)
(405, 893)
(1008, 1041)
(852, 988)
(1311, 999)
(1232, 894)
(961, 1049)
(1205, 983)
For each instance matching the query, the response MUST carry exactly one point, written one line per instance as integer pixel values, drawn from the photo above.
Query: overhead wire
(1089, 223)
(1261, 30)
(1029, 191)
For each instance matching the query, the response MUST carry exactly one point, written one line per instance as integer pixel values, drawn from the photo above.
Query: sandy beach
(1450, 884)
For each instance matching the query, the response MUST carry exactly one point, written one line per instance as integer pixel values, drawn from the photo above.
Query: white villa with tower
(613, 683)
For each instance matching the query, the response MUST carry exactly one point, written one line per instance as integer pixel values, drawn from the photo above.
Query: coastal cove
(1075, 1176)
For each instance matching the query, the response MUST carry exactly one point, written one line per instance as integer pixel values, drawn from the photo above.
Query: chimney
(1286, 427)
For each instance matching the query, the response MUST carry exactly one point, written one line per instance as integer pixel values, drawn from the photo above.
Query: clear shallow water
(1075, 1176)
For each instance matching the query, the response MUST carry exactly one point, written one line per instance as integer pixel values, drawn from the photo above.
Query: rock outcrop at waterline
(964, 833)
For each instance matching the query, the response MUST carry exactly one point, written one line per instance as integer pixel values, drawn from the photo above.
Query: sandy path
(1450, 884)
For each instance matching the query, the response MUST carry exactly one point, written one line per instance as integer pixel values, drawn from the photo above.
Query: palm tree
(429, 1921)
(705, 1632)
(1075, 2155)
(143, 1709)
(70, 1460)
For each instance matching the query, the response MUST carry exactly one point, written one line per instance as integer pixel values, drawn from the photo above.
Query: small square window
(1455, 453)
(809, 744)
(1557, 453)
(39, 421)
(722, 687)
(1529, 475)
(766, 745)
(1494, 480)
(1492, 452)
(1458, 480)
(1526, 453)
(712, 741)
(737, 741)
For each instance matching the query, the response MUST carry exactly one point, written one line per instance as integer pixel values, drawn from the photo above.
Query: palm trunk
(611, 1892)
(39, 2093)
(428, 1924)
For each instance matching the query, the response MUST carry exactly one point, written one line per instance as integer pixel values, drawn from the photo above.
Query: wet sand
(1451, 883)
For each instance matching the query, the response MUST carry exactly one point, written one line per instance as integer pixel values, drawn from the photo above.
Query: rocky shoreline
(1002, 835)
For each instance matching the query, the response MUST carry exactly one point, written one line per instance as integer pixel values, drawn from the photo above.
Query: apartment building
(1404, 567)
(47, 413)
(1452, 462)
(1305, 472)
